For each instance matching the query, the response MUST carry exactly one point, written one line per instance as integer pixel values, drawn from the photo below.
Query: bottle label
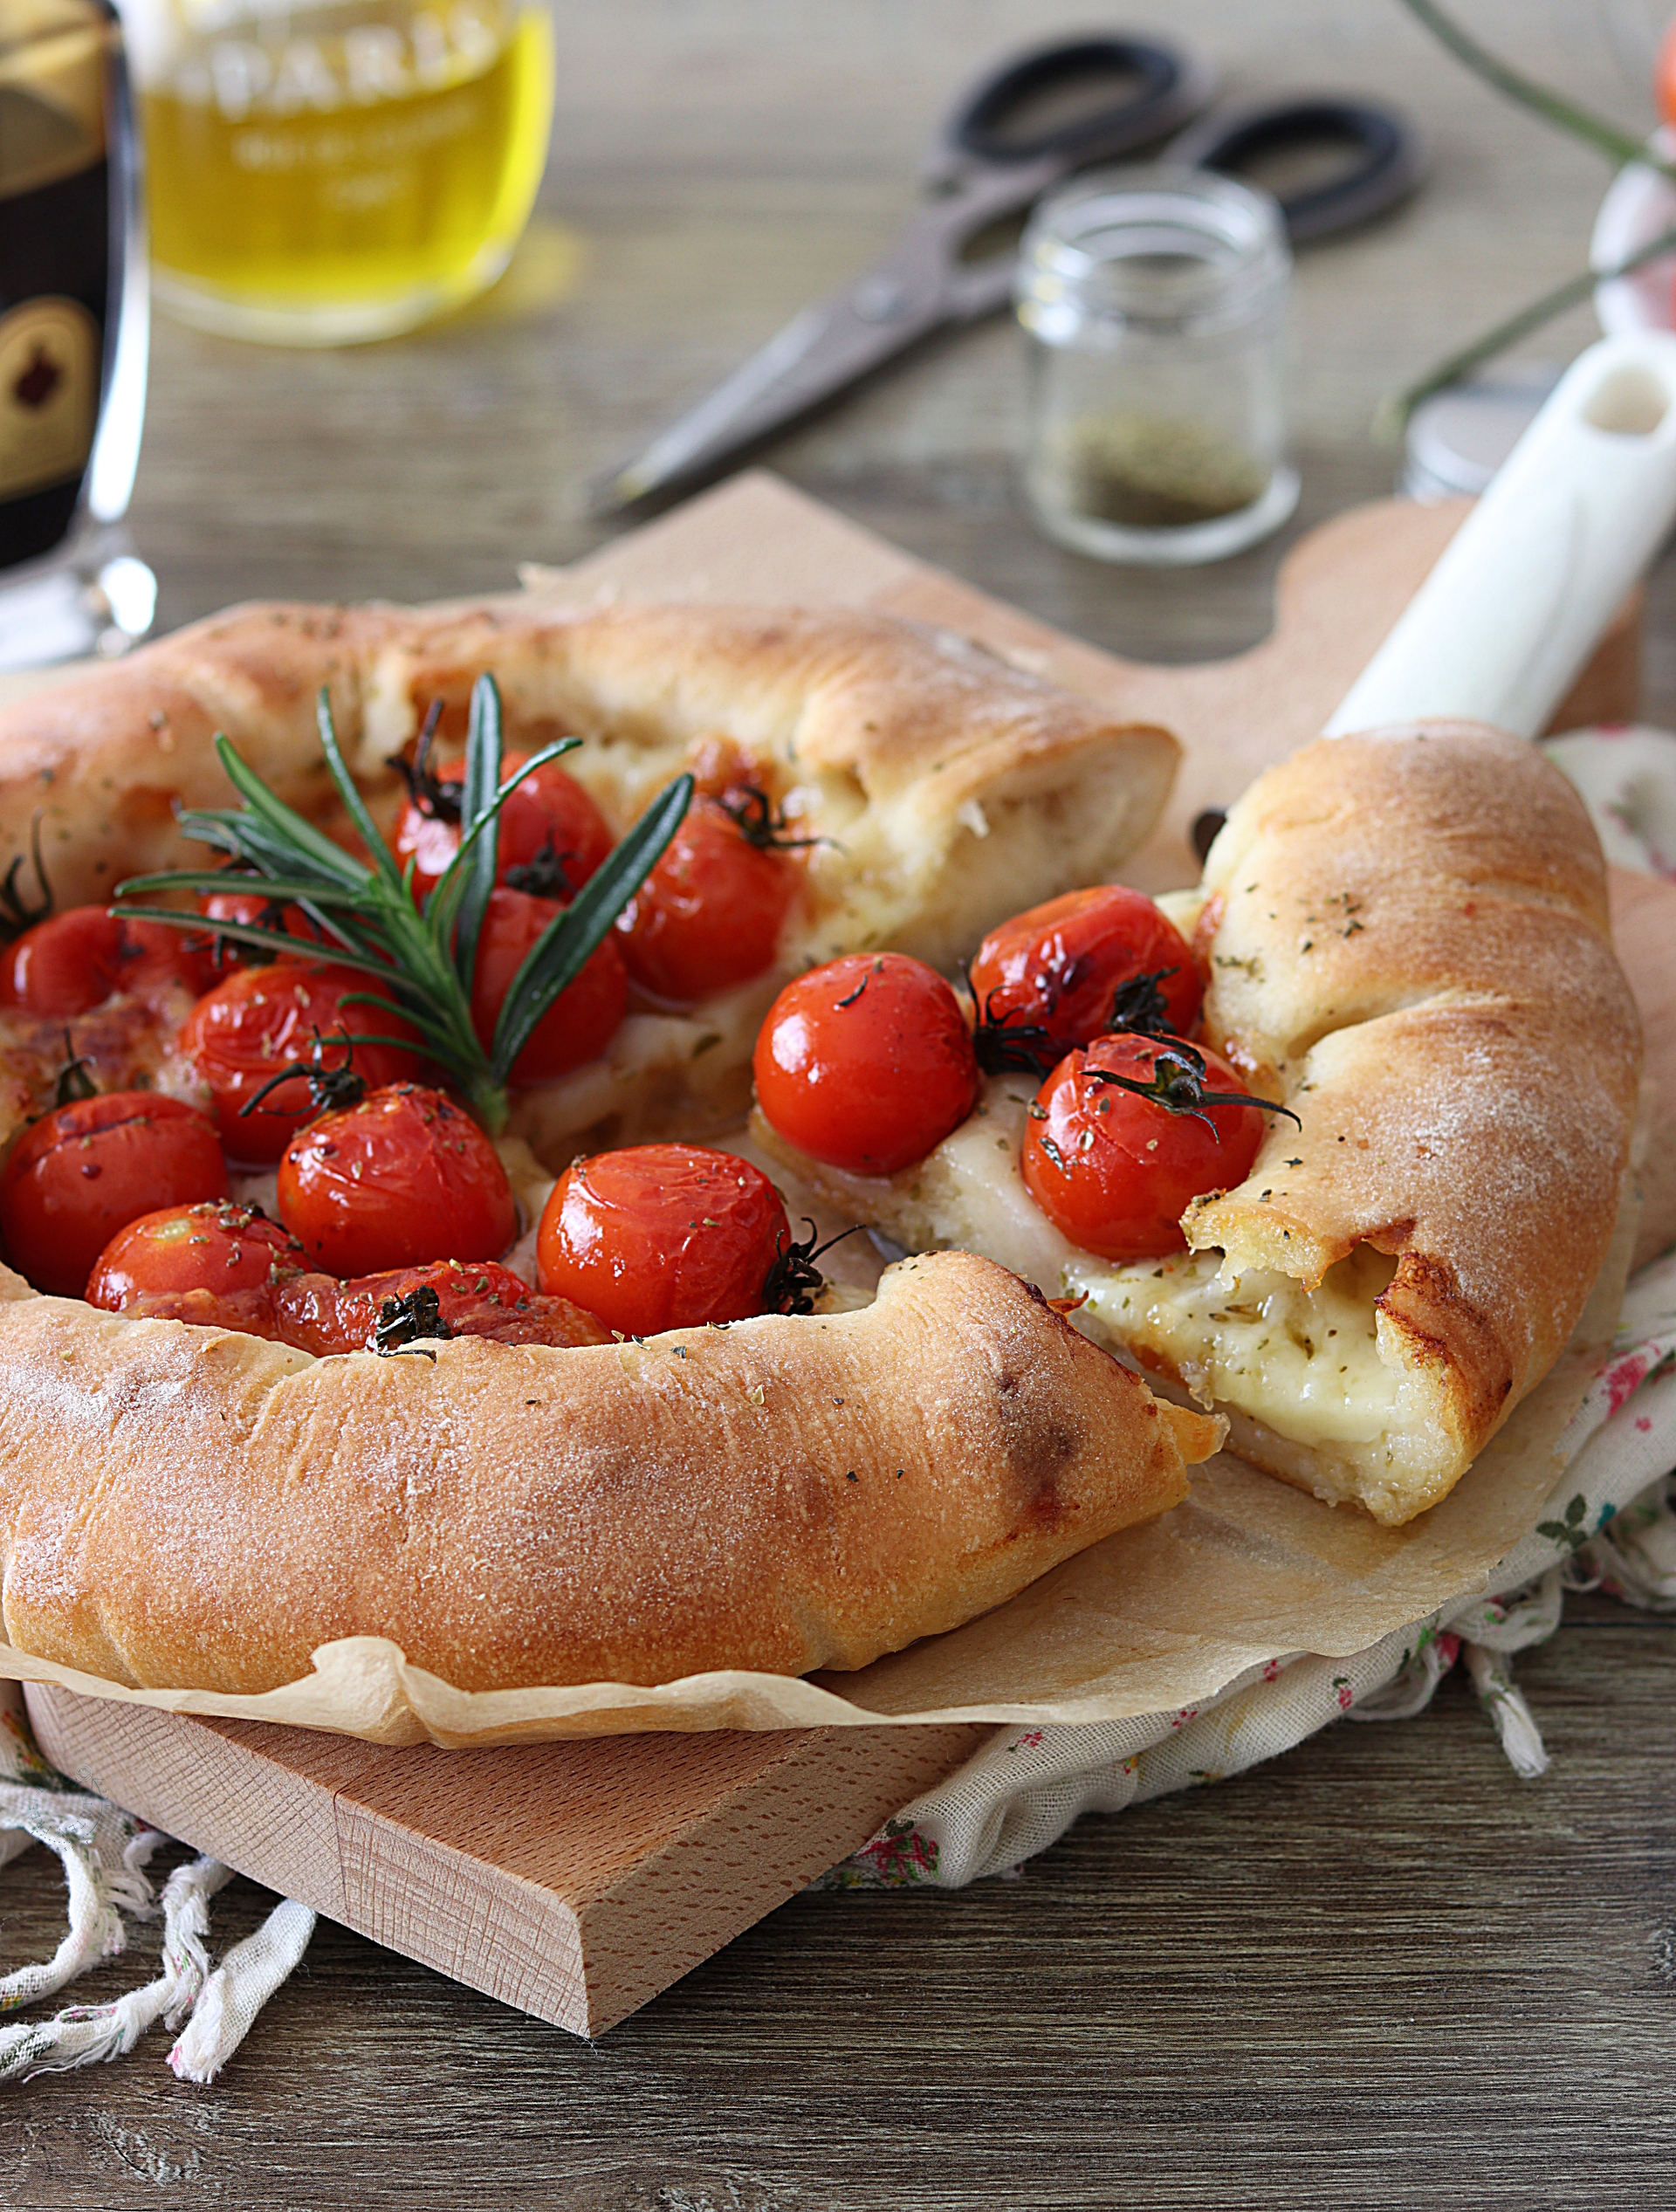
(283, 75)
(49, 393)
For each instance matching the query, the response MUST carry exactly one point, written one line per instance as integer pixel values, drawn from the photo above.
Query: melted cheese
(1305, 1363)
(1318, 1390)
(663, 1075)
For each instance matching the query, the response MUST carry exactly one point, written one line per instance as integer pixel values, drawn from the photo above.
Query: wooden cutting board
(576, 1880)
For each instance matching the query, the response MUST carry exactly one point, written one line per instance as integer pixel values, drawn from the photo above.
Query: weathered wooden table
(1381, 1972)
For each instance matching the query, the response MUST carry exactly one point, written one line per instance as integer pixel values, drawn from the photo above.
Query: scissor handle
(1389, 161)
(1172, 85)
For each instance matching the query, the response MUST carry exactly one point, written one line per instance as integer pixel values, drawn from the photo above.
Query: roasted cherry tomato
(385, 1311)
(710, 913)
(581, 1021)
(217, 1247)
(662, 1236)
(74, 961)
(1048, 979)
(252, 907)
(258, 1021)
(866, 1063)
(86, 1171)
(403, 1178)
(550, 831)
(1116, 1171)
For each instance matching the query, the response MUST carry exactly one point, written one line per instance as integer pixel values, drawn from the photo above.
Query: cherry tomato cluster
(710, 915)
(870, 1062)
(393, 1208)
(390, 1195)
(309, 1067)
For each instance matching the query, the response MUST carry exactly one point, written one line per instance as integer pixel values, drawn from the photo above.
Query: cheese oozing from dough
(1313, 1387)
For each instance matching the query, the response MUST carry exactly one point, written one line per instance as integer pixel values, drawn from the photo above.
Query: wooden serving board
(574, 1880)
(577, 1880)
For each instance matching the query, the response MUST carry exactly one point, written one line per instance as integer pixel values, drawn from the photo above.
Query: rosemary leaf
(349, 791)
(434, 1032)
(298, 838)
(253, 933)
(214, 880)
(475, 864)
(560, 954)
(443, 901)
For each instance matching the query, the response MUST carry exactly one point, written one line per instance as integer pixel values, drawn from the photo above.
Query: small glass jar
(1154, 301)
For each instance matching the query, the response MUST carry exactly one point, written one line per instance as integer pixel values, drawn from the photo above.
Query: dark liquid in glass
(54, 241)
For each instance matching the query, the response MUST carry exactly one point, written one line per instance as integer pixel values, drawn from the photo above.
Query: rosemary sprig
(425, 958)
(1581, 122)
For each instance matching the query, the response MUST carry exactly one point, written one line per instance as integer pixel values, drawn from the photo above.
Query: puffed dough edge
(186, 1509)
(939, 780)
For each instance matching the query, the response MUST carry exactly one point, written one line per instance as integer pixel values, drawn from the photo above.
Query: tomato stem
(15, 916)
(1178, 1085)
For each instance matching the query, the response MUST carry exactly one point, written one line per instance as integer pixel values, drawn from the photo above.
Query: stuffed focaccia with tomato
(1336, 1146)
(290, 1298)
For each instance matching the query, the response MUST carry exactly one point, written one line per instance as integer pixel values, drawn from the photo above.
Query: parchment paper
(1247, 1568)
(1157, 1618)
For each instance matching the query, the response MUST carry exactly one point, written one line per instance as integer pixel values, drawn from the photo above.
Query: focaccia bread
(1404, 939)
(941, 786)
(186, 1507)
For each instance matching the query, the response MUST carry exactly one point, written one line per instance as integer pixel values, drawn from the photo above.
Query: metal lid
(1458, 439)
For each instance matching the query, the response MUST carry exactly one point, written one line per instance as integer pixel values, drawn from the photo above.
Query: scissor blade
(818, 353)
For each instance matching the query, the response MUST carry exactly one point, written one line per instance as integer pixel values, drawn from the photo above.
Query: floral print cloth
(1611, 1524)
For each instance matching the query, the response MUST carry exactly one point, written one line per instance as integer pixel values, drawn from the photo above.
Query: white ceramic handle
(1501, 628)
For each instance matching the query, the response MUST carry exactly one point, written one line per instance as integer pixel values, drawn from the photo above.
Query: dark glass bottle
(55, 196)
(73, 333)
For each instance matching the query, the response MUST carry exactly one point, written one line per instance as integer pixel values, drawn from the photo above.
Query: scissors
(1022, 127)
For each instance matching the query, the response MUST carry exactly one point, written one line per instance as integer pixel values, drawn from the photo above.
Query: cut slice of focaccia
(1404, 939)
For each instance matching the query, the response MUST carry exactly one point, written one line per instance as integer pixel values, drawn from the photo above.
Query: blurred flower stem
(1394, 412)
(1565, 114)
(1554, 108)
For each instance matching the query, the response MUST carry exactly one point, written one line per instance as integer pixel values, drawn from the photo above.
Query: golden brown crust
(186, 1509)
(1413, 935)
(908, 748)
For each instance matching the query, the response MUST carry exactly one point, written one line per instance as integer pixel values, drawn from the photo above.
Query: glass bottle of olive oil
(324, 173)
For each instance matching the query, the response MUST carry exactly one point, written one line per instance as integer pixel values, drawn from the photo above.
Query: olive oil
(345, 171)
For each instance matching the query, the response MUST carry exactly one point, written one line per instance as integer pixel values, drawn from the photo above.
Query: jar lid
(1458, 439)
